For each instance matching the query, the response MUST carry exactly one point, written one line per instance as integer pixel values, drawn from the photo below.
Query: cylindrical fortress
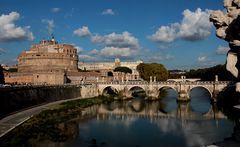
(49, 56)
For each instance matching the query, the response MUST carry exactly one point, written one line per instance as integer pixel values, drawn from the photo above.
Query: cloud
(79, 49)
(117, 52)
(94, 52)
(158, 57)
(55, 10)
(202, 58)
(97, 39)
(221, 50)
(50, 25)
(123, 40)
(82, 32)
(108, 12)
(165, 34)
(194, 26)
(10, 32)
(123, 44)
(86, 58)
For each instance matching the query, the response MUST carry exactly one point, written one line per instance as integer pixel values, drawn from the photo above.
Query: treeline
(208, 74)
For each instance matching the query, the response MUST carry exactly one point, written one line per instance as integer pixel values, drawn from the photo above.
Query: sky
(175, 33)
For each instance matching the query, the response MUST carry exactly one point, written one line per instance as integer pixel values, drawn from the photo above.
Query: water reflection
(200, 100)
(141, 123)
(153, 123)
(141, 108)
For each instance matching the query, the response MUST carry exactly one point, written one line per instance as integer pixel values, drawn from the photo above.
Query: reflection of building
(105, 67)
(47, 62)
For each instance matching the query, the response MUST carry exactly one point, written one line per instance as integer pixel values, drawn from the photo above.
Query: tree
(152, 69)
(208, 74)
(2, 81)
(123, 69)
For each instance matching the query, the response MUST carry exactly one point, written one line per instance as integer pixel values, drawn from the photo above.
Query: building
(47, 56)
(105, 67)
(47, 62)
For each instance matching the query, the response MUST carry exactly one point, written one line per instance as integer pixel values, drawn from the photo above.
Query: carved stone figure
(228, 28)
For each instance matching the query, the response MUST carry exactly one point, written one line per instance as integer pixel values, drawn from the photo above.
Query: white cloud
(194, 26)
(108, 12)
(50, 25)
(97, 39)
(55, 10)
(157, 57)
(221, 50)
(123, 44)
(86, 58)
(94, 52)
(82, 32)
(10, 32)
(123, 40)
(117, 52)
(202, 58)
(79, 49)
(165, 34)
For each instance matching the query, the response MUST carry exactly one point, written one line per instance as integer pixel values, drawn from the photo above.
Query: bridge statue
(228, 28)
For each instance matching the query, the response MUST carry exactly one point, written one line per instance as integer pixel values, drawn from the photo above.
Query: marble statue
(227, 26)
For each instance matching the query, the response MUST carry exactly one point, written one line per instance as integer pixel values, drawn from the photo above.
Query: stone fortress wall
(48, 55)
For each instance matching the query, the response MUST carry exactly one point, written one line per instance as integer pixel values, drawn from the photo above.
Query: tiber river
(165, 123)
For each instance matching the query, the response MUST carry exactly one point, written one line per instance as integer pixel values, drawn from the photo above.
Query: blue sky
(176, 33)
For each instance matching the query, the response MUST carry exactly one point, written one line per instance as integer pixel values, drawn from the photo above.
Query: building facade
(48, 55)
(47, 62)
(106, 67)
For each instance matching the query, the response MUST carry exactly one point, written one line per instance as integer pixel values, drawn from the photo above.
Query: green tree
(152, 69)
(208, 74)
(2, 81)
(123, 69)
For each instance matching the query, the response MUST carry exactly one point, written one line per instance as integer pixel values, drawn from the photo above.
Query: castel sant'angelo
(45, 62)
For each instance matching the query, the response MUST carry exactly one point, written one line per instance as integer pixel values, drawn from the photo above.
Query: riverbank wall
(14, 99)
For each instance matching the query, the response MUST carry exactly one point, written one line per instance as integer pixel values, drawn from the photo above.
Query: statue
(228, 28)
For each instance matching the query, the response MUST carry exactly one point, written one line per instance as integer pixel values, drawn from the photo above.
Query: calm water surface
(137, 123)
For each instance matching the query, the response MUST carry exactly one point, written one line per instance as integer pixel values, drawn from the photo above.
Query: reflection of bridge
(136, 108)
(152, 89)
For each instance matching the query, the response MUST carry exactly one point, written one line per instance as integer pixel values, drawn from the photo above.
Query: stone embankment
(14, 99)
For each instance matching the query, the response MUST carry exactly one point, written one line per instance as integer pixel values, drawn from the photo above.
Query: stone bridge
(153, 89)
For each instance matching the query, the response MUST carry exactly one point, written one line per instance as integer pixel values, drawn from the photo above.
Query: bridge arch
(109, 90)
(160, 89)
(201, 86)
(167, 87)
(137, 88)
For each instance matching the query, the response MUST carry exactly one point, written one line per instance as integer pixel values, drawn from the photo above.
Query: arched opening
(137, 92)
(168, 97)
(110, 74)
(109, 91)
(200, 99)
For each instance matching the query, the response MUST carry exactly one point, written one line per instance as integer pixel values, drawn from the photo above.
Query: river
(140, 123)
